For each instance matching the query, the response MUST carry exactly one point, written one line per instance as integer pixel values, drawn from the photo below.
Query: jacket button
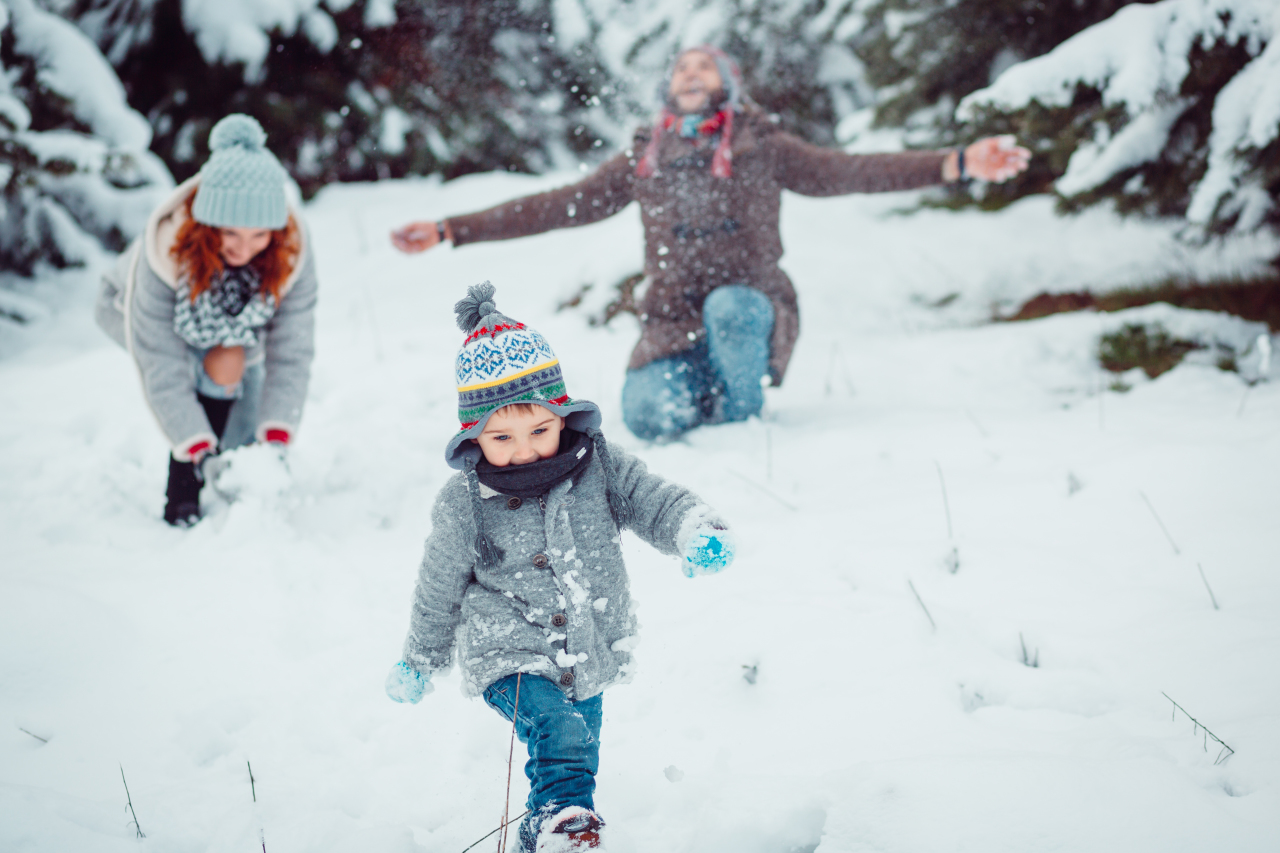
(540, 561)
(559, 620)
(566, 679)
(514, 503)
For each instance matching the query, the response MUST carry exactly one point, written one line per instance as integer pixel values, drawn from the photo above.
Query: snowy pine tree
(362, 89)
(923, 56)
(351, 89)
(1170, 109)
(74, 166)
(796, 56)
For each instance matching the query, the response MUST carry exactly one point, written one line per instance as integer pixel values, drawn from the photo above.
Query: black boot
(183, 493)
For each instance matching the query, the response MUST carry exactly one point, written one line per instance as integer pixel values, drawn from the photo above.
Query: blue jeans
(715, 381)
(563, 737)
(242, 422)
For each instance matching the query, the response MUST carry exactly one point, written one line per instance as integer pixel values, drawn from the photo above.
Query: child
(523, 569)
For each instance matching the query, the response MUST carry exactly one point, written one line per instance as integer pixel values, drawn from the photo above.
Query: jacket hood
(579, 415)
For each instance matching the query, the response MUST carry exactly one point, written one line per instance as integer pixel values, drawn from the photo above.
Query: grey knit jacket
(135, 307)
(557, 604)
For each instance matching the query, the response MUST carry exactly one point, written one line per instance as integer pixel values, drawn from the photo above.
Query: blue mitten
(406, 684)
(710, 550)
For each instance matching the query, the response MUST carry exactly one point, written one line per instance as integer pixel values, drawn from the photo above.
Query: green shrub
(1150, 347)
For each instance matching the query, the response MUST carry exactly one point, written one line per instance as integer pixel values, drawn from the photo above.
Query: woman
(719, 317)
(216, 303)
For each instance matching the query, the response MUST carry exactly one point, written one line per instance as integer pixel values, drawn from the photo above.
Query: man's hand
(420, 236)
(996, 159)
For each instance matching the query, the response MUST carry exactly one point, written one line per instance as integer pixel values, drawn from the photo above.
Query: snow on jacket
(136, 308)
(558, 603)
(701, 231)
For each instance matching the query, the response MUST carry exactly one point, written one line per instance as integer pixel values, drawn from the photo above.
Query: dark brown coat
(702, 232)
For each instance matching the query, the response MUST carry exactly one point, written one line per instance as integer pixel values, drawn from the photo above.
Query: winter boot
(182, 508)
(571, 830)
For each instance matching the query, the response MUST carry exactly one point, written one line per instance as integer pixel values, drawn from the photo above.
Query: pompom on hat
(242, 185)
(501, 362)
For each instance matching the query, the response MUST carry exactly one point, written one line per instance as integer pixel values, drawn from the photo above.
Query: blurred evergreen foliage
(73, 175)
(447, 88)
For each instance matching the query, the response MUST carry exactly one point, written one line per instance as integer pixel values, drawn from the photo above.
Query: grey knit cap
(242, 184)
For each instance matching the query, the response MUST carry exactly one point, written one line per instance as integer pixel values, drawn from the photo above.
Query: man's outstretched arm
(598, 196)
(816, 171)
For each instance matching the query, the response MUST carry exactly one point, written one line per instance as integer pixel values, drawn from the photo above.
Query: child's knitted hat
(502, 362)
(242, 185)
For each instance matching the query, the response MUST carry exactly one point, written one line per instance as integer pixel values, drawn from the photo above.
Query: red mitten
(277, 436)
(194, 449)
(275, 433)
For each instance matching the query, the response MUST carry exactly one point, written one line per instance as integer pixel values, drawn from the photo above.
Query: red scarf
(721, 161)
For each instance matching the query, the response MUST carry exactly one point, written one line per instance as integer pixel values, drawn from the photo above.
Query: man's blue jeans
(563, 737)
(715, 381)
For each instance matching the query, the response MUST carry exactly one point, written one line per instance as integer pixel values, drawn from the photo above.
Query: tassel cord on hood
(487, 553)
(619, 506)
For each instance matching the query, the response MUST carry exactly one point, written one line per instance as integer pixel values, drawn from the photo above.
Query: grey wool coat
(135, 307)
(557, 605)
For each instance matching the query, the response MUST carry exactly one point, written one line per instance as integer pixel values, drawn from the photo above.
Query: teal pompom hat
(242, 184)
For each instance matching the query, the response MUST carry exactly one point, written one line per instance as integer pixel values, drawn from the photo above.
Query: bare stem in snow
(499, 829)
(837, 360)
(129, 801)
(953, 559)
(1028, 660)
(1212, 597)
(1197, 727)
(768, 492)
(33, 734)
(922, 607)
(253, 789)
(974, 421)
(1159, 521)
(768, 455)
(946, 505)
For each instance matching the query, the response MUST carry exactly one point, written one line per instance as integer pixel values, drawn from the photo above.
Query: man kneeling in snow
(719, 317)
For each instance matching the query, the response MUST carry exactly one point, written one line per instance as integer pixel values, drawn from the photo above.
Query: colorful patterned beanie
(501, 362)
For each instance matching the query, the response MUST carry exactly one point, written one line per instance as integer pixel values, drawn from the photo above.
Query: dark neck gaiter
(535, 479)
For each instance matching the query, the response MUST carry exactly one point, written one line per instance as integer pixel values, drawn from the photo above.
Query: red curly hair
(197, 252)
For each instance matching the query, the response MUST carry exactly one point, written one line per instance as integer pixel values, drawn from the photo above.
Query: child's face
(512, 437)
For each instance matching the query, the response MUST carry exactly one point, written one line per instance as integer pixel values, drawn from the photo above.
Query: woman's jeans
(714, 382)
(563, 737)
(242, 422)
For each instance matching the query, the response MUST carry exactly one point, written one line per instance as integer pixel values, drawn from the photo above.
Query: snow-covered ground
(263, 635)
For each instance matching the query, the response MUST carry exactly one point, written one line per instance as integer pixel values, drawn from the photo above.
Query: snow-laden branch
(1246, 115)
(1139, 59)
(69, 64)
(234, 31)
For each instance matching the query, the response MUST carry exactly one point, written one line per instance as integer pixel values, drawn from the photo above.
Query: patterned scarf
(692, 126)
(230, 312)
